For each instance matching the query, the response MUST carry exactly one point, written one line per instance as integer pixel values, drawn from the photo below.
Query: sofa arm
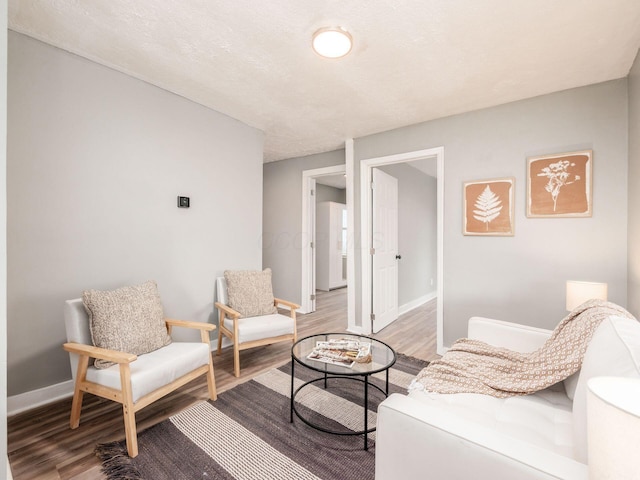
(415, 440)
(521, 338)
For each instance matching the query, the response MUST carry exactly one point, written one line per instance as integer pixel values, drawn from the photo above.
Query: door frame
(308, 233)
(366, 214)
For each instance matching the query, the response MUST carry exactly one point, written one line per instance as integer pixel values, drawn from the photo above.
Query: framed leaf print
(488, 207)
(560, 185)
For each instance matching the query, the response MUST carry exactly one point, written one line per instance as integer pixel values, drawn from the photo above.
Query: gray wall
(634, 189)
(522, 278)
(3, 237)
(417, 232)
(325, 193)
(95, 162)
(282, 219)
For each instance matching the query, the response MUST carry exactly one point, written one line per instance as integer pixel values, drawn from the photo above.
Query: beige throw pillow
(129, 319)
(250, 292)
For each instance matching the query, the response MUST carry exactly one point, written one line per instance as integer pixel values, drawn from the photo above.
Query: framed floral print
(488, 207)
(560, 185)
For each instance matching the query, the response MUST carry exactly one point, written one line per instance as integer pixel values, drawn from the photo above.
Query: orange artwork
(488, 207)
(559, 185)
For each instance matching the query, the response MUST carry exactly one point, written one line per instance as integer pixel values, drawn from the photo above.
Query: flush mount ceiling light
(332, 42)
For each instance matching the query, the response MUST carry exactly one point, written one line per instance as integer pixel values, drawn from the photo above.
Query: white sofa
(540, 436)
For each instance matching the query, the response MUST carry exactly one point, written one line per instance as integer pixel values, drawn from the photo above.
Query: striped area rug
(246, 433)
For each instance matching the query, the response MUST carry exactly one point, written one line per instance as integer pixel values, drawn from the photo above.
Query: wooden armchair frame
(227, 312)
(124, 395)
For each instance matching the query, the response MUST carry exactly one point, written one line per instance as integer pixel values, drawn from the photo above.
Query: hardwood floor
(42, 446)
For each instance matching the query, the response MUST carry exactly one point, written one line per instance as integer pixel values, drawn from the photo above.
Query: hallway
(414, 333)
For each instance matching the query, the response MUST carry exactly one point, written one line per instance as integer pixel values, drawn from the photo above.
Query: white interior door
(312, 245)
(385, 248)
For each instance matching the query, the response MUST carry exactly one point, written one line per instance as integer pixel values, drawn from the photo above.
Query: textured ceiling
(412, 60)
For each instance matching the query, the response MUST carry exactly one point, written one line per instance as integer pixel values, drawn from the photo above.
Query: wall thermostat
(183, 202)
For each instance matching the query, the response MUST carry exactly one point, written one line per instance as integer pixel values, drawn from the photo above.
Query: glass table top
(382, 355)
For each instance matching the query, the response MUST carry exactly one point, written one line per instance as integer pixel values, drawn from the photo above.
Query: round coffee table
(383, 357)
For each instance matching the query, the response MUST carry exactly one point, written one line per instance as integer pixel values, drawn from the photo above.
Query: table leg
(325, 380)
(292, 377)
(366, 412)
(387, 385)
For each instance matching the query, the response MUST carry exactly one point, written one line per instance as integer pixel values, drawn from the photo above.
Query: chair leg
(219, 342)
(236, 358)
(295, 326)
(76, 404)
(128, 411)
(211, 382)
(130, 430)
(76, 407)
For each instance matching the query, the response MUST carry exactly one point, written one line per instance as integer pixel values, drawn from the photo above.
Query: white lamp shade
(613, 428)
(580, 292)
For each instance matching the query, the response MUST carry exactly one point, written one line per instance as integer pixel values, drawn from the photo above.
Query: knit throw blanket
(472, 366)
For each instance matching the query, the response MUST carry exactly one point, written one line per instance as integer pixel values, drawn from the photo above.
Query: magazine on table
(344, 352)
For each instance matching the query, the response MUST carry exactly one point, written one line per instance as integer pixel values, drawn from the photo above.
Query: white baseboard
(43, 396)
(355, 330)
(36, 398)
(407, 307)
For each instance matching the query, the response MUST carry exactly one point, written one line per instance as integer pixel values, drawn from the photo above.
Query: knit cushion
(129, 319)
(250, 292)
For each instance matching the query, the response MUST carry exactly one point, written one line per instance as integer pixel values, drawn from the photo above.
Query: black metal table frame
(353, 376)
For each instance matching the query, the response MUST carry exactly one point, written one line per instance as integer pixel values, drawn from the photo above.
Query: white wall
(634, 188)
(96, 160)
(325, 193)
(282, 219)
(522, 278)
(417, 232)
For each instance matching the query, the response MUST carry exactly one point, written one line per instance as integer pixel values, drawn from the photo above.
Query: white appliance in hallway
(331, 251)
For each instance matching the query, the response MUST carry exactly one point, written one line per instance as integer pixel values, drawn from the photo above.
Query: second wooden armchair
(252, 331)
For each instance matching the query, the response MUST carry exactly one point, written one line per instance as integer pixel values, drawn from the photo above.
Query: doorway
(369, 284)
(324, 186)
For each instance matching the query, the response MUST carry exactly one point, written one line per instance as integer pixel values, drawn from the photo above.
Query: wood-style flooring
(42, 446)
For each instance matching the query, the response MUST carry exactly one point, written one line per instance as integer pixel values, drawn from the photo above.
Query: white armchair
(134, 381)
(255, 331)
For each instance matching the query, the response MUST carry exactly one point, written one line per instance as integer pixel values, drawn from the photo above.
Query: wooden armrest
(101, 353)
(172, 322)
(291, 305)
(230, 312)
